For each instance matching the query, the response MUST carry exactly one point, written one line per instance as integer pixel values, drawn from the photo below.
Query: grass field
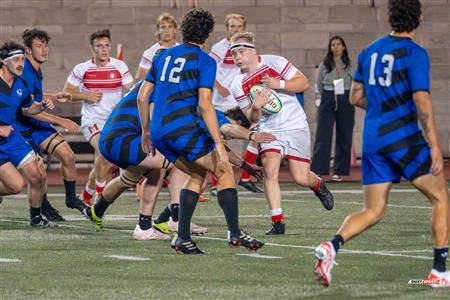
(71, 262)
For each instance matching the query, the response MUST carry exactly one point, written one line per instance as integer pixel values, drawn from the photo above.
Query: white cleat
(195, 229)
(325, 255)
(438, 279)
(149, 234)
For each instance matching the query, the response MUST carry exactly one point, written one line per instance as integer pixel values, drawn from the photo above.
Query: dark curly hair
(104, 33)
(196, 26)
(30, 34)
(404, 15)
(328, 61)
(7, 47)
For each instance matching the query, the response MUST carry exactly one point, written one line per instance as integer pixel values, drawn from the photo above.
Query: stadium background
(296, 29)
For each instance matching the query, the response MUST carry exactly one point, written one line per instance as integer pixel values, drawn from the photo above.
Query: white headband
(242, 45)
(12, 54)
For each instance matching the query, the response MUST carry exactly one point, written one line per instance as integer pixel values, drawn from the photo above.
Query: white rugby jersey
(291, 115)
(226, 71)
(88, 77)
(147, 56)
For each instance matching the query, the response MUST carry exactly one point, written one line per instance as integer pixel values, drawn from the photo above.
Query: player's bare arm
(357, 96)
(68, 124)
(92, 97)
(424, 106)
(5, 130)
(61, 97)
(144, 114)
(299, 83)
(234, 131)
(223, 91)
(38, 107)
(127, 86)
(240, 163)
(254, 111)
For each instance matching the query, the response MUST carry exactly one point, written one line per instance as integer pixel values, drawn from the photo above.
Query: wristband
(282, 84)
(250, 135)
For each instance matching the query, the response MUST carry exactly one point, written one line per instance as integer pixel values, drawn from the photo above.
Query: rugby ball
(274, 105)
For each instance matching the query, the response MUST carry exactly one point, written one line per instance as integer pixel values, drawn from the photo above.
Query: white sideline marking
(257, 255)
(346, 191)
(122, 257)
(9, 260)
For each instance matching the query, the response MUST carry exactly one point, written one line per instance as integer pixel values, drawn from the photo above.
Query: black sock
(337, 242)
(440, 258)
(45, 203)
(163, 216)
(228, 201)
(145, 222)
(101, 206)
(34, 212)
(174, 211)
(188, 202)
(70, 187)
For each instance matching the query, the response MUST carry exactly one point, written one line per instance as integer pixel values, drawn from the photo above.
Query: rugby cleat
(244, 240)
(51, 213)
(89, 213)
(325, 255)
(42, 222)
(278, 227)
(149, 234)
(186, 247)
(438, 279)
(162, 227)
(75, 203)
(195, 229)
(325, 196)
(250, 186)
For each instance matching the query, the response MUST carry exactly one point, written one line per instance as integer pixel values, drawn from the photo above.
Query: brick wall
(296, 29)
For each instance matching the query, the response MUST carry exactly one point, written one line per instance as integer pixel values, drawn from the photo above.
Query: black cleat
(325, 196)
(250, 186)
(278, 227)
(76, 203)
(186, 247)
(51, 213)
(244, 240)
(42, 222)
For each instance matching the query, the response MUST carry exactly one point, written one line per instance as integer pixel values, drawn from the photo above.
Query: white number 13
(383, 81)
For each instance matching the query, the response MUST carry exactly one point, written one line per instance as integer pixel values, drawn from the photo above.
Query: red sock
(279, 217)
(250, 156)
(86, 195)
(317, 187)
(213, 182)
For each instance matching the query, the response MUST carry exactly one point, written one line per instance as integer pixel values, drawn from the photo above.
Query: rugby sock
(45, 202)
(174, 211)
(87, 193)
(337, 241)
(277, 215)
(317, 187)
(440, 258)
(250, 156)
(101, 206)
(188, 202)
(228, 201)
(69, 186)
(163, 216)
(145, 222)
(213, 182)
(99, 186)
(34, 212)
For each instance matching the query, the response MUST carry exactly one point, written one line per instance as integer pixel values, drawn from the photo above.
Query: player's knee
(270, 174)
(376, 214)
(17, 185)
(68, 157)
(36, 179)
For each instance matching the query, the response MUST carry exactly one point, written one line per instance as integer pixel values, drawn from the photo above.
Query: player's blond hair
(235, 16)
(164, 17)
(246, 35)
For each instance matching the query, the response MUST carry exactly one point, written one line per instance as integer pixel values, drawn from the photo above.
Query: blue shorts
(123, 150)
(221, 120)
(410, 163)
(192, 145)
(38, 133)
(14, 149)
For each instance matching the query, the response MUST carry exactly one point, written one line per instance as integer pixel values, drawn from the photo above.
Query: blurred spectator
(334, 77)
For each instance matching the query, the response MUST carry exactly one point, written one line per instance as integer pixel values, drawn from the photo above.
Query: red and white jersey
(291, 115)
(226, 71)
(110, 79)
(147, 56)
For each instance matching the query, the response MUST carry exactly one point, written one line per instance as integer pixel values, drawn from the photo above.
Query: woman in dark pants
(334, 78)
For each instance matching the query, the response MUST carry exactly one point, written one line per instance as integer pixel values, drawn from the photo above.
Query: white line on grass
(9, 260)
(122, 257)
(379, 253)
(257, 255)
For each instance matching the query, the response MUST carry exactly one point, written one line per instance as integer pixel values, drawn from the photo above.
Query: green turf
(69, 262)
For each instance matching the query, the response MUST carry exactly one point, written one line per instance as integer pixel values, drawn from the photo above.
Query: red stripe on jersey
(228, 60)
(114, 85)
(146, 59)
(102, 79)
(257, 77)
(285, 68)
(218, 57)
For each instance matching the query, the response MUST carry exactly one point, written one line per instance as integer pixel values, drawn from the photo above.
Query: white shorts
(91, 128)
(292, 144)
